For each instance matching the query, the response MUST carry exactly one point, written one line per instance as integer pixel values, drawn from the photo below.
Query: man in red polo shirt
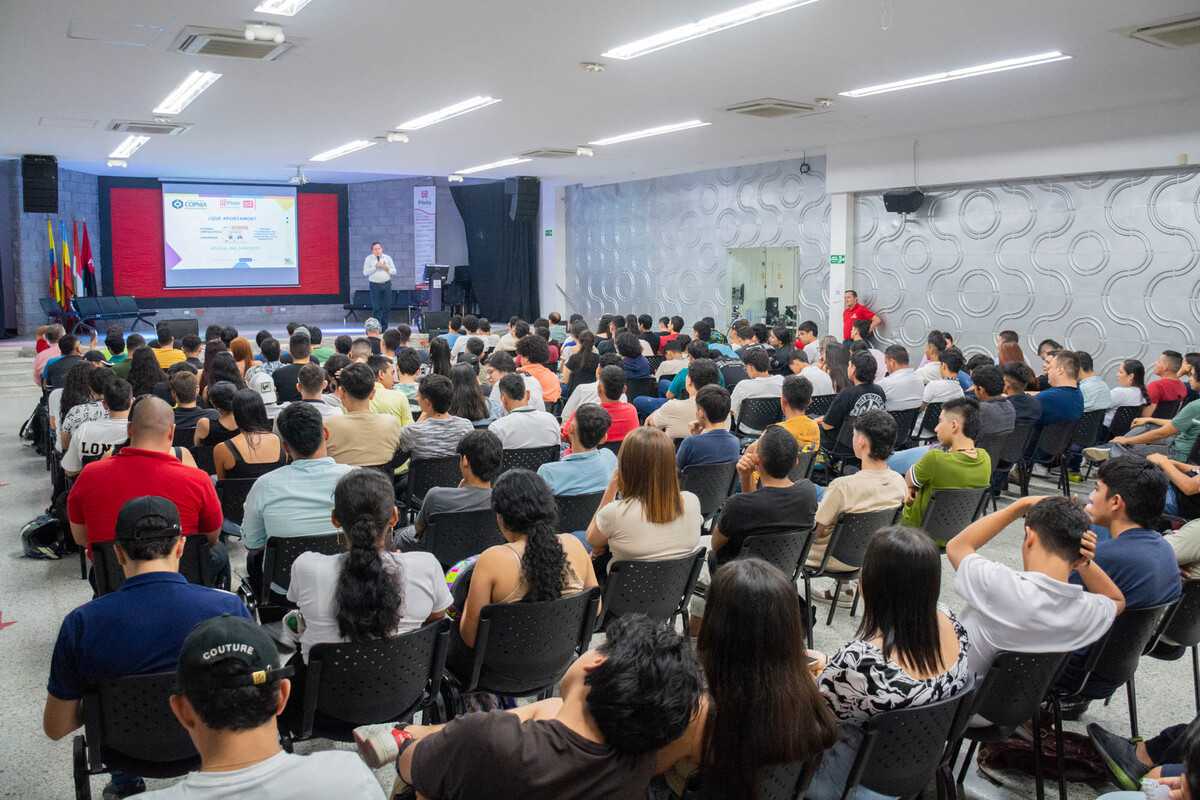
(856, 311)
(610, 383)
(146, 464)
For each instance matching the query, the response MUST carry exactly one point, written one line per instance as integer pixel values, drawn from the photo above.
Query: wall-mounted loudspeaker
(905, 201)
(39, 184)
(523, 198)
(182, 327)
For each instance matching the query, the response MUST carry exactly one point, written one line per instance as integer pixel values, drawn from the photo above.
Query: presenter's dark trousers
(381, 302)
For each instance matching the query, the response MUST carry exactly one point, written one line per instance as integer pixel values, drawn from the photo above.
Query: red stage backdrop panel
(137, 247)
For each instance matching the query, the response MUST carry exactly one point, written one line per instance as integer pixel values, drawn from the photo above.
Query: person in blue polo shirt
(710, 442)
(1062, 402)
(135, 630)
(586, 470)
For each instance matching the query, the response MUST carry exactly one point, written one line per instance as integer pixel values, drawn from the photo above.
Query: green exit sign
(549, 232)
(837, 259)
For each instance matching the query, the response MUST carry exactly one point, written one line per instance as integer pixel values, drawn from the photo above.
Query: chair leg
(854, 602)
(962, 773)
(1058, 748)
(808, 615)
(1037, 754)
(1196, 676)
(837, 593)
(1131, 695)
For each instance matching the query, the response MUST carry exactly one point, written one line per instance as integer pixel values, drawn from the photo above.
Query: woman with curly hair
(146, 376)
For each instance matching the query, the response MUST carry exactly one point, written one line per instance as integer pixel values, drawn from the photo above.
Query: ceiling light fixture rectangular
(703, 27)
(659, 131)
(443, 114)
(957, 74)
(183, 94)
(343, 150)
(284, 8)
(505, 162)
(128, 146)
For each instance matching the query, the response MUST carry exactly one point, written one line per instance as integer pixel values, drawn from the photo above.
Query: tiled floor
(34, 596)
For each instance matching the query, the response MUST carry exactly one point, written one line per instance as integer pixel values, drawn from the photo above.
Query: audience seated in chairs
(629, 347)
(1061, 401)
(676, 416)
(360, 436)
(104, 487)
(861, 396)
(588, 468)
(997, 416)
(408, 373)
(1026, 407)
(1124, 506)
(467, 400)
(535, 355)
(255, 450)
(945, 387)
(610, 389)
(135, 630)
(904, 388)
(1035, 609)
(523, 426)
(653, 519)
(93, 439)
(499, 364)
(385, 399)
(673, 361)
(185, 391)
(437, 433)
(311, 383)
(51, 336)
(796, 396)
(80, 401)
(70, 354)
(1168, 388)
(599, 739)
(799, 364)
(211, 431)
(761, 382)
(1174, 437)
(296, 499)
(710, 441)
(228, 704)
(479, 454)
(909, 651)
(299, 348)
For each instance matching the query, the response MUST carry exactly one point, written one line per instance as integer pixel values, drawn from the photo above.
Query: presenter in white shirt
(379, 269)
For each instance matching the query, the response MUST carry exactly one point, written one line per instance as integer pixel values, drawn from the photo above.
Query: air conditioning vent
(551, 152)
(773, 107)
(1175, 34)
(149, 128)
(227, 44)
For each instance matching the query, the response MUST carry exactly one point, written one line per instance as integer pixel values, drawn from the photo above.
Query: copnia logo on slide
(177, 204)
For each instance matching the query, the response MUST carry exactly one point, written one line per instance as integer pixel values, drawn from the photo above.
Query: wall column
(841, 256)
(552, 267)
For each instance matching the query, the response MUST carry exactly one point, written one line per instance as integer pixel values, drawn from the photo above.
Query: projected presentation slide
(222, 236)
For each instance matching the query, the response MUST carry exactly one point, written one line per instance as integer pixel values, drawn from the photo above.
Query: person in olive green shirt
(954, 464)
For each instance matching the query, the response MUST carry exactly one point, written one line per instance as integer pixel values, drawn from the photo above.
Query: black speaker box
(435, 321)
(903, 202)
(523, 198)
(188, 326)
(39, 184)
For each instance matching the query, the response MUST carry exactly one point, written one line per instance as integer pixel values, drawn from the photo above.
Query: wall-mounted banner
(424, 228)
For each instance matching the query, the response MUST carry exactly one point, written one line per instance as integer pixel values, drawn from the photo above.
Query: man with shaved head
(147, 464)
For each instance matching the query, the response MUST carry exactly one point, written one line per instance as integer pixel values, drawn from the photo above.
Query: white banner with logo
(424, 229)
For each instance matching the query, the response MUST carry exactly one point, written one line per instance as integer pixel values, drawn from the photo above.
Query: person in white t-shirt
(759, 383)
(500, 364)
(230, 692)
(935, 346)
(93, 439)
(806, 336)
(946, 387)
(799, 364)
(1036, 609)
(905, 389)
(523, 425)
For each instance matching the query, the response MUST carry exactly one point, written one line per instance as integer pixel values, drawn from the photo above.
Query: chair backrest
(733, 373)
(281, 551)
(127, 304)
(1016, 443)
(112, 305)
(108, 575)
(951, 510)
(426, 473)
(87, 307)
(756, 413)
(786, 551)
(194, 565)
(529, 458)
(454, 536)
(130, 718)
(901, 750)
(843, 444)
(993, 445)
(775, 782)
(362, 299)
(615, 447)
(521, 648)
(805, 461)
(233, 492)
(933, 415)
(641, 387)
(654, 588)
(655, 362)
(49, 307)
(1014, 686)
(1114, 659)
(905, 420)
(820, 404)
(1183, 623)
(1123, 419)
(1087, 433)
(850, 536)
(1056, 438)
(203, 456)
(1167, 409)
(384, 680)
(575, 511)
(711, 483)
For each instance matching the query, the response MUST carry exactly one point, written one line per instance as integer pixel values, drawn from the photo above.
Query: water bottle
(1153, 790)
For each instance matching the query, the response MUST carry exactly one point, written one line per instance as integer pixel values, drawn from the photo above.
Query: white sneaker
(1096, 454)
(826, 595)
(377, 748)
(1040, 471)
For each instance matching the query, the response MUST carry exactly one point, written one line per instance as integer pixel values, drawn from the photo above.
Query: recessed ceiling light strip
(449, 112)
(130, 145)
(958, 74)
(703, 27)
(505, 162)
(187, 91)
(648, 132)
(343, 150)
(284, 8)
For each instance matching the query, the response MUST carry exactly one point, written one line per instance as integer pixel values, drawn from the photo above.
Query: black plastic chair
(454, 536)
(614, 447)
(929, 421)
(905, 420)
(1087, 432)
(232, 493)
(575, 511)
(641, 387)
(278, 555)
(659, 589)
(203, 456)
(711, 483)
(529, 458)
(1011, 694)
(426, 473)
(109, 577)
(993, 444)
(775, 782)
(820, 404)
(655, 362)
(805, 462)
(1012, 452)
(951, 510)
(1052, 443)
(901, 751)
(1182, 627)
(522, 649)
(1167, 409)
(732, 373)
(128, 725)
(787, 551)
(840, 452)
(367, 683)
(848, 544)
(1123, 419)
(360, 301)
(755, 415)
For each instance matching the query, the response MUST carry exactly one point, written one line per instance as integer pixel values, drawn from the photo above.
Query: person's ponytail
(543, 566)
(367, 597)
(526, 505)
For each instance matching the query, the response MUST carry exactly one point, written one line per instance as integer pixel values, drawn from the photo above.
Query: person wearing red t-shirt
(856, 311)
(610, 383)
(146, 463)
(1168, 388)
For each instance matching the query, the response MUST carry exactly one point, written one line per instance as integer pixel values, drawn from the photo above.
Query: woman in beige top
(653, 519)
(533, 564)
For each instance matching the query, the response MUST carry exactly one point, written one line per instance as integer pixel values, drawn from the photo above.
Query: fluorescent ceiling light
(284, 8)
(443, 114)
(343, 150)
(703, 27)
(956, 74)
(183, 94)
(659, 131)
(506, 162)
(117, 162)
(129, 146)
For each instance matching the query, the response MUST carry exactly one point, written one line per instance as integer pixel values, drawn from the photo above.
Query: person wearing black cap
(135, 630)
(229, 691)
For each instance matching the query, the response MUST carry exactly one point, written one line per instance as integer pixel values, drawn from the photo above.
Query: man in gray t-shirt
(479, 454)
(436, 434)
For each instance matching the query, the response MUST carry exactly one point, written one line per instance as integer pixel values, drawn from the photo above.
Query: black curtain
(503, 252)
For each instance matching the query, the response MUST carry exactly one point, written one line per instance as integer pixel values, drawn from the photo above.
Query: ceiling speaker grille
(773, 108)
(148, 128)
(1176, 34)
(551, 152)
(199, 41)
